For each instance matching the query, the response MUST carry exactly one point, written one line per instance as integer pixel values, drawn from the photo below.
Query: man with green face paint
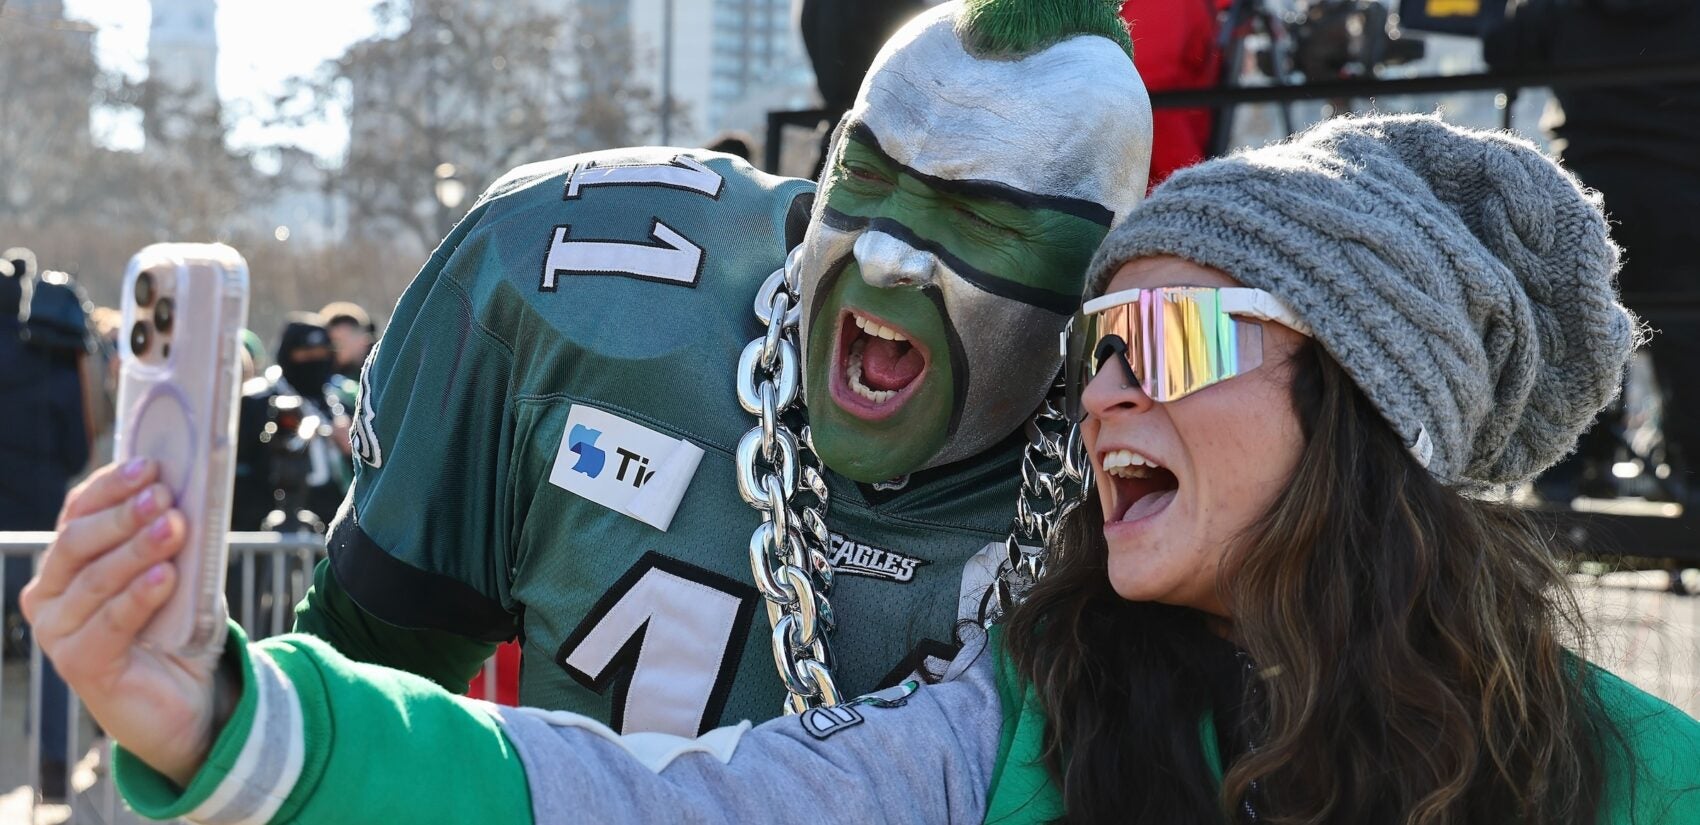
(549, 432)
(950, 239)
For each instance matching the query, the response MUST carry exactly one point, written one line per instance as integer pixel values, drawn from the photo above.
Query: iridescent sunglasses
(1172, 341)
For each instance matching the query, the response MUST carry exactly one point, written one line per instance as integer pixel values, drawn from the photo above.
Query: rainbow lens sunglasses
(1172, 341)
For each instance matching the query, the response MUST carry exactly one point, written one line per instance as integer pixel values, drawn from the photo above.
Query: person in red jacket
(1175, 47)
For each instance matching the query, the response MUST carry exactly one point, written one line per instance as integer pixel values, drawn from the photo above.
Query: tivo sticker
(624, 466)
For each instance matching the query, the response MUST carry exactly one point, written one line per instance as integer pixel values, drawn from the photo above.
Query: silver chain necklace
(780, 476)
(1046, 497)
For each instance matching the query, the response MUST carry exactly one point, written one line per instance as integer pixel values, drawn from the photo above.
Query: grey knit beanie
(1463, 279)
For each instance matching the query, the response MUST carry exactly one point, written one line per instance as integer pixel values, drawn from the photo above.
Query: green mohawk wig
(1017, 28)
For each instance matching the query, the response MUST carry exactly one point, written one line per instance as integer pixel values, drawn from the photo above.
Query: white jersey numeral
(671, 258)
(684, 172)
(667, 641)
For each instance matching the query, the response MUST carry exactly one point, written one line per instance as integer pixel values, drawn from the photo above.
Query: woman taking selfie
(1443, 325)
(1303, 369)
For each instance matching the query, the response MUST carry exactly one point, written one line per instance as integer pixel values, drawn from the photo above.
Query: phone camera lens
(144, 289)
(163, 315)
(140, 338)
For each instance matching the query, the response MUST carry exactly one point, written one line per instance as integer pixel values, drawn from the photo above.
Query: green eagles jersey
(557, 378)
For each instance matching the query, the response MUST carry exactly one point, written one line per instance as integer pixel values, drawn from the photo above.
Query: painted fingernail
(160, 529)
(156, 574)
(133, 468)
(147, 503)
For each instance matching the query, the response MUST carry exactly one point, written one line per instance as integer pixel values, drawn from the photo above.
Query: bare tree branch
(482, 87)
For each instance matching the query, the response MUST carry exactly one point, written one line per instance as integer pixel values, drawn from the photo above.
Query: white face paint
(1072, 121)
(1069, 126)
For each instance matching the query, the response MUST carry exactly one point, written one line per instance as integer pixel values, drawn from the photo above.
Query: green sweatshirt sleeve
(316, 738)
(1652, 760)
(1021, 789)
(329, 613)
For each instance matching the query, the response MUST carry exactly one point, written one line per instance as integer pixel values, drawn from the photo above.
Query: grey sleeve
(924, 757)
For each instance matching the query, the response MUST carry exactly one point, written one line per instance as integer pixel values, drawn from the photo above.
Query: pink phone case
(177, 403)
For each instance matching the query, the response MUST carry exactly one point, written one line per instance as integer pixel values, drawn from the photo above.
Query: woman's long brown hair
(1410, 641)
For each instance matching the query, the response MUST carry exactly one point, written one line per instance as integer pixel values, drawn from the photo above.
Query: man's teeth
(878, 330)
(1129, 464)
(853, 372)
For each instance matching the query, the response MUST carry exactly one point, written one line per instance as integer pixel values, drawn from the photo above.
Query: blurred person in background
(292, 453)
(253, 357)
(1175, 47)
(45, 442)
(352, 335)
(292, 434)
(731, 142)
(100, 381)
(1636, 145)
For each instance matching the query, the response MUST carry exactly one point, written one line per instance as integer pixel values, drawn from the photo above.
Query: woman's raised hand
(103, 578)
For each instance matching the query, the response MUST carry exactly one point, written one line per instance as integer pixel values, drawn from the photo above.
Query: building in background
(731, 62)
(723, 63)
(182, 66)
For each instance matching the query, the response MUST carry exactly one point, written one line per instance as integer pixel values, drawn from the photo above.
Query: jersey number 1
(670, 257)
(667, 637)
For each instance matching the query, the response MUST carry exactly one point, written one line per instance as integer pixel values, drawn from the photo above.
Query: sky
(260, 44)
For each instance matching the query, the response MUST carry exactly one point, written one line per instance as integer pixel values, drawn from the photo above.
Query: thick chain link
(1055, 478)
(779, 475)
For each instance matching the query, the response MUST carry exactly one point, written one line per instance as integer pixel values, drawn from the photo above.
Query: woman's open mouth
(1142, 487)
(877, 366)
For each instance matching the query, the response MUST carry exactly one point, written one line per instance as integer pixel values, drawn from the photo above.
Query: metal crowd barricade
(269, 573)
(1640, 630)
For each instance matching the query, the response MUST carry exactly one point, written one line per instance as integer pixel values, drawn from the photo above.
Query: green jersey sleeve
(422, 541)
(316, 738)
(327, 612)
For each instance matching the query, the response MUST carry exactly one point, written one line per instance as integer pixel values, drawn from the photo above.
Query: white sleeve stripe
(292, 741)
(244, 767)
(271, 759)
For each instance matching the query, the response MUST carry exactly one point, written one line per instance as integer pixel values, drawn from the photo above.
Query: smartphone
(184, 307)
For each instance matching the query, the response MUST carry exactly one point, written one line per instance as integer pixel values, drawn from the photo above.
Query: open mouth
(1143, 488)
(877, 366)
